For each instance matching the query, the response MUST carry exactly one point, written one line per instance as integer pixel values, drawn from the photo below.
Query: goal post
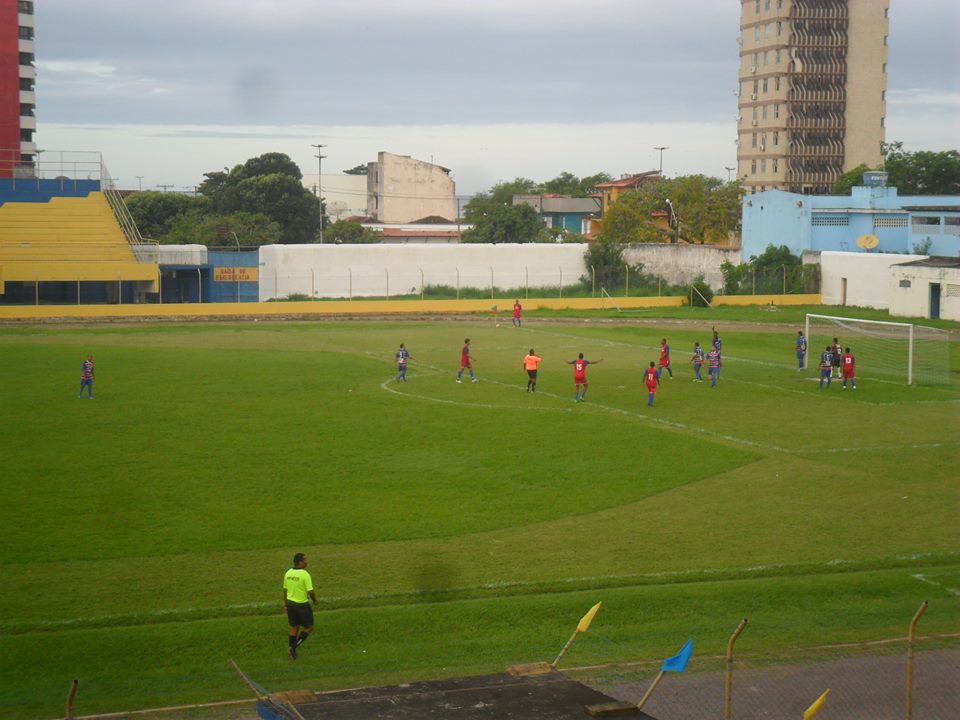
(894, 351)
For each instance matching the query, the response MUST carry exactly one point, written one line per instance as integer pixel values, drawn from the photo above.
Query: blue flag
(678, 663)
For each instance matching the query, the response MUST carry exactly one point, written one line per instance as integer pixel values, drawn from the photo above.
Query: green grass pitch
(451, 529)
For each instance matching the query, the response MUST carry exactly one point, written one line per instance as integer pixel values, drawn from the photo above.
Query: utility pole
(140, 183)
(320, 158)
(729, 170)
(165, 187)
(661, 149)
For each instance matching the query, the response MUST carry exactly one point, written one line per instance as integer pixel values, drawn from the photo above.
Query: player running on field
(826, 366)
(580, 376)
(465, 362)
(697, 360)
(713, 360)
(403, 356)
(801, 347)
(664, 359)
(849, 366)
(836, 353)
(718, 346)
(530, 363)
(517, 309)
(651, 378)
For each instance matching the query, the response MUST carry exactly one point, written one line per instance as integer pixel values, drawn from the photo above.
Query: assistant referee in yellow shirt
(297, 592)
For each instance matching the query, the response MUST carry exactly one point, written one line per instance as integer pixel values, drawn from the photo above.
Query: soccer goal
(892, 351)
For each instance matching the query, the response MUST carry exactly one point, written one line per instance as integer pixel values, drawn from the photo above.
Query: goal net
(893, 351)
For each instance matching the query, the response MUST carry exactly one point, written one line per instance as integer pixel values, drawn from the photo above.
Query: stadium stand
(59, 233)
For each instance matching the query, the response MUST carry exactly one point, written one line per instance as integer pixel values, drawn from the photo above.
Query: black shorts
(532, 374)
(299, 614)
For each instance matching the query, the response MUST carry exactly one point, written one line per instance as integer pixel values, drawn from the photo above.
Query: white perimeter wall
(386, 269)
(867, 275)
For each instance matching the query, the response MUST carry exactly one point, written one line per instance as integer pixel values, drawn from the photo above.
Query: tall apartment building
(17, 99)
(812, 96)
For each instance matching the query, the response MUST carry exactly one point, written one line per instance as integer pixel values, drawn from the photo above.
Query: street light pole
(140, 183)
(319, 156)
(729, 170)
(661, 149)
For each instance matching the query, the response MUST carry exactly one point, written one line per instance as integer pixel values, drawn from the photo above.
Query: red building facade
(17, 77)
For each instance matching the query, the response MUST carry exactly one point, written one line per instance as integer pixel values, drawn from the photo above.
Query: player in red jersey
(664, 359)
(517, 309)
(580, 376)
(651, 378)
(465, 363)
(849, 366)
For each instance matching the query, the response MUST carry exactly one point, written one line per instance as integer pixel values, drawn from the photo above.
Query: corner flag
(678, 663)
(815, 708)
(588, 618)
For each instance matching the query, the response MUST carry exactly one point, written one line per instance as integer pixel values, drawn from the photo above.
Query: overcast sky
(493, 89)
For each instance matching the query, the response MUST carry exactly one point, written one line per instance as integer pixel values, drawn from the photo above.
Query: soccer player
(718, 346)
(297, 591)
(664, 358)
(651, 379)
(517, 308)
(530, 363)
(403, 355)
(836, 352)
(87, 377)
(801, 349)
(465, 362)
(697, 361)
(849, 365)
(826, 366)
(713, 359)
(580, 376)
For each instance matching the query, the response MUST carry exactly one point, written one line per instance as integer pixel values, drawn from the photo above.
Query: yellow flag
(815, 708)
(588, 618)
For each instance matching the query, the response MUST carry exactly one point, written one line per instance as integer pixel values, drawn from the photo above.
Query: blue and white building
(873, 219)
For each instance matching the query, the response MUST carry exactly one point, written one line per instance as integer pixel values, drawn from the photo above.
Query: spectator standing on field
(87, 377)
(697, 360)
(580, 376)
(517, 309)
(465, 362)
(826, 366)
(297, 594)
(651, 379)
(403, 356)
(849, 366)
(801, 349)
(530, 363)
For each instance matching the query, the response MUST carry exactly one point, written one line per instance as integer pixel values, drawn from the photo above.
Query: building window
(756, 33)
(884, 67)
(766, 5)
(884, 40)
(776, 110)
(26, 110)
(925, 223)
(25, 7)
(778, 57)
(882, 122)
(26, 58)
(951, 225)
(26, 135)
(776, 165)
(768, 30)
(756, 60)
(753, 167)
(776, 138)
(763, 139)
(776, 84)
(889, 222)
(756, 86)
(764, 112)
(904, 283)
(26, 84)
(757, 7)
(753, 140)
(763, 165)
(26, 33)
(830, 221)
(765, 85)
(779, 4)
(766, 57)
(779, 28)
(754, 113)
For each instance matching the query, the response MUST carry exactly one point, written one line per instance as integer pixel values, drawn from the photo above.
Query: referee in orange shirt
(530, 363)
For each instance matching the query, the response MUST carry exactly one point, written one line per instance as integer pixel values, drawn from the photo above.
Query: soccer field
(451, 528)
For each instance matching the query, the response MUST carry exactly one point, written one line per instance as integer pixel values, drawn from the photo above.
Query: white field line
(926, 579)
(707, 575)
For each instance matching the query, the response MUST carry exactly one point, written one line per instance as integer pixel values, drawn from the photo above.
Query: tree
(569, 184)
(350, 232)
(924, 172)
(605, 260)
(701, 208)
(850, 179)
(155, 212)
(507, 224)
(776, 269)
(226, 230)
(357, 170)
